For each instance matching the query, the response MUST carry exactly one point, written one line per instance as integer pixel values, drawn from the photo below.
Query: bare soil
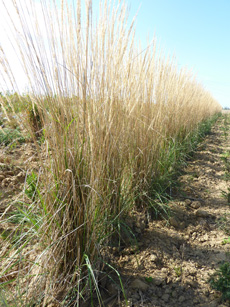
(177, 256)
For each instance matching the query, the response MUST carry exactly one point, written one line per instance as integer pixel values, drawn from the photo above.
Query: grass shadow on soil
(176, 248)
(194, 245)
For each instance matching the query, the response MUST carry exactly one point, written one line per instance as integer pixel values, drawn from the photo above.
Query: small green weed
(11, 136)
(225, 128)
(123, 235)
(220, 280)
(226, 176)
(31, 190)
(149, 279)
(178, 271)
(224, 223)
(225, 158)
(226, 241)
(226, 195)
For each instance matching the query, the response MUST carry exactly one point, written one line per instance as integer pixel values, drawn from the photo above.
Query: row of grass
(29, 220)
(113, 123)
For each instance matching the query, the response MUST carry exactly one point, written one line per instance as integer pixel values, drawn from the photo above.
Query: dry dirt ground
(175, 257)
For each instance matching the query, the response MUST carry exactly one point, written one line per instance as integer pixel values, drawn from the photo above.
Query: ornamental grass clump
(106, 111)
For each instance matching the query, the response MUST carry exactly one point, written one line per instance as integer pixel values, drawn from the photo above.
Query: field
(98, 140)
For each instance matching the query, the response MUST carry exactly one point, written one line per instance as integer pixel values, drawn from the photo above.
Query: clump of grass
(174, 155)
(220, 280)
(224, 223)
(109, 113)
(10, 136)
(225, 158)
(225, 127)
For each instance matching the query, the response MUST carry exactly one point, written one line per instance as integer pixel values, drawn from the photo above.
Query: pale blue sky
(197, 32)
